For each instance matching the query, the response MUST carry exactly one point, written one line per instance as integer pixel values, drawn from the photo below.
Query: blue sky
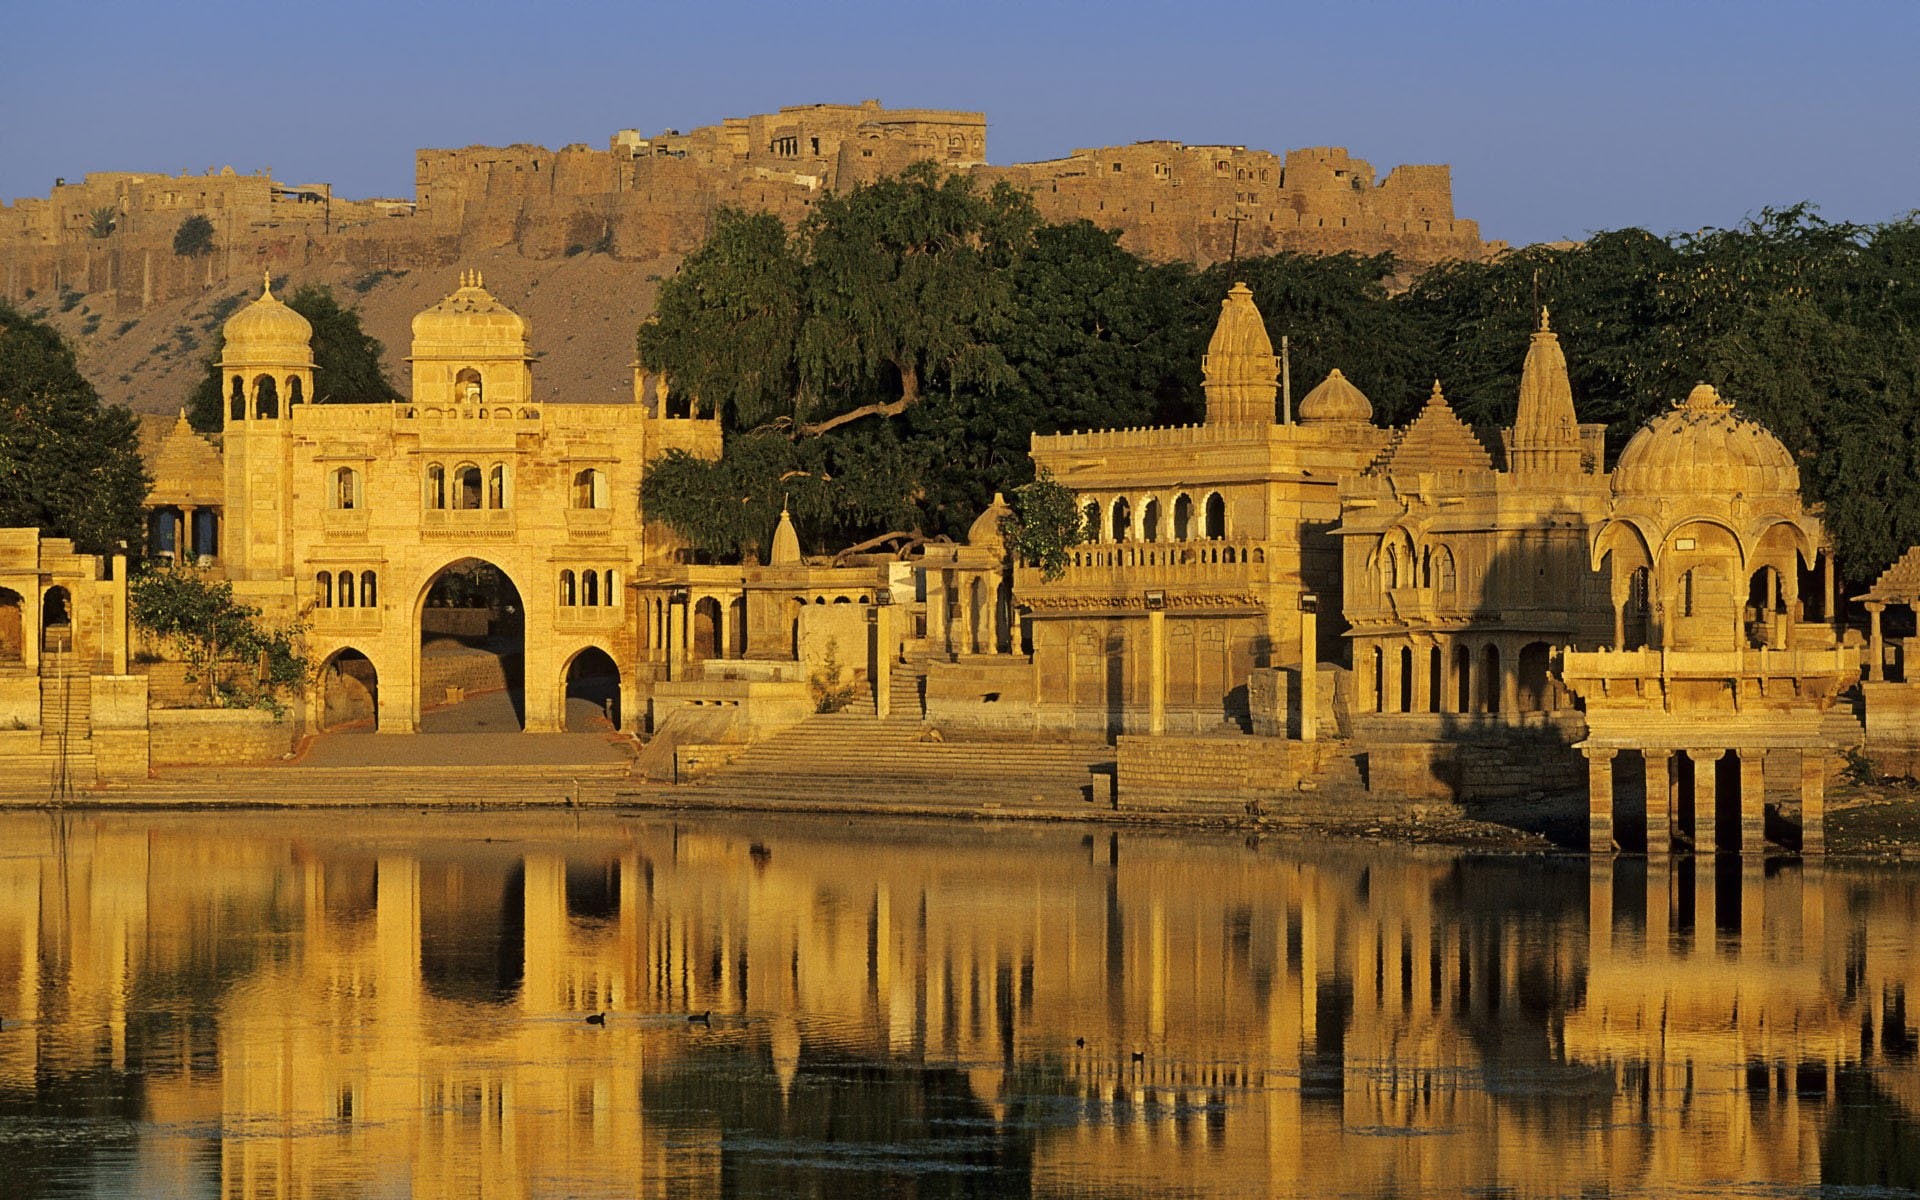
(1558, 118)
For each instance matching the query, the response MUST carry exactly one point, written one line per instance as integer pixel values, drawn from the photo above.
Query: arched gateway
(446, 532)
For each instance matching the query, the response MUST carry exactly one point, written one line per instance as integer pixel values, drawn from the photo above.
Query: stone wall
(218, 736)
(1465, 771)
(1210, 772)
(1893, 727)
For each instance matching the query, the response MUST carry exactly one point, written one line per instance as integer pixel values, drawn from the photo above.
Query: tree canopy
(69, 465)
(194, 237)
(345, 357)
(884, 366)
(243, 662)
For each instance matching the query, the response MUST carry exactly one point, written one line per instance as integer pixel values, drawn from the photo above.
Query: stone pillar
(1829, 594)
(1422, 679)
(1619, 624)
(186, 538)
(1156, 671)
(723, 630)
(116, 631)
(1705, 799)
(1509, 681)
(676, 640)
(882, 672)
(937, 610)
(1393, 685)
(1659, 798)
(1876, 649)
(1309, 673)
(1813, 800)
(1753, 801)
(964, 584)
(996, 616)
(1599, 799)
(1790, 604)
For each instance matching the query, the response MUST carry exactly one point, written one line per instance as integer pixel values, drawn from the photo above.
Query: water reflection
(278, 1006)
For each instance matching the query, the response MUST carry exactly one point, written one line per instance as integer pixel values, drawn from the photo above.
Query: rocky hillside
(584, 310)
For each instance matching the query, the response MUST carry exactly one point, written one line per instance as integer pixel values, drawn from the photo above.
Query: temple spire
(1241, 372)
(1546, 433)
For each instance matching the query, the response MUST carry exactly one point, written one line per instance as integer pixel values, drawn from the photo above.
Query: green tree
(1045, 524)
(69, 465)
(726, 325)
(345, 357)
(194, 237)
(102, 221)
(242, 661)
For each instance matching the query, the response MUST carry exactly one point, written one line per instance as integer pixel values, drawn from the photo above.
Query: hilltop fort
(641, 198)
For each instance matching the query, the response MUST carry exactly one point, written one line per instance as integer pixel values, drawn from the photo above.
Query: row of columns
(1877, 645)
(1397, 694)
(952, 589)
(1662, 799)
(186, 537)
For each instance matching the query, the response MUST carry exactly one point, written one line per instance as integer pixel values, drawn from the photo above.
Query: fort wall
(644, 197)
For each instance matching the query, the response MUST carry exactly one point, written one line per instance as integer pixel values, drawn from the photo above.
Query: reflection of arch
(13, 637)
(705, 642)
(1182, 517)
(1150, 520)
(1216, 516)
(1535, 687)
(591, 686)
(349, 691)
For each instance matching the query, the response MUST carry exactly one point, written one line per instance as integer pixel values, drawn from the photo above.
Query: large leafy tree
(243, 661)
(346, 360)
(69, 465)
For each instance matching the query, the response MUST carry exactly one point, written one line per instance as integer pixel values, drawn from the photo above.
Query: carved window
(436, 486)
(466, 486)
(590, 488)
(344, 591)
(343, 490)
(497, 486)
(567, 590)
(323, 589)
(369, 590)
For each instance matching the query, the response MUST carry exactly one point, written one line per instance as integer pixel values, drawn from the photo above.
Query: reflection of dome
(985, 530)
(471, 324)
(267, 331)
(1336, 399)
(1700, 447)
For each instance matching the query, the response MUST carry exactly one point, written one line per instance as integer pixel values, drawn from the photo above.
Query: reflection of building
(350, 512)
(418, 1007)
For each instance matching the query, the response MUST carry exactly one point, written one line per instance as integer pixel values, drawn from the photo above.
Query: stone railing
(1131, 566)
(1709, 664)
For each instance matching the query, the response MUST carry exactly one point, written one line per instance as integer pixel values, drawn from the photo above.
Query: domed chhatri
(1335, 399)
(1702, 447)
(985, 530)
(267, 331)
(472, 323)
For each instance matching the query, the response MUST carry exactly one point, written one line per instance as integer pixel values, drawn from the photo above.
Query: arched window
(590, 488)
(497, 486)
(1390, 568)
(1216, 516)
(345, 589)
(436, 486)
(1091, 515)
(610, 593)
(345, 490)
(323, 589)
(1182, 517)
(1122, 520)
(294, 395)
(237, 400)
(566, 589)
(369, 590)
(266, 397)
(590, 588)
(1443, 576)
(467, 386)
(1150, 521)
(466, 486)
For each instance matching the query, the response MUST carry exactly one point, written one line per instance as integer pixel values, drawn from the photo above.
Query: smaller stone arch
(344, 589)
(295, 394)
(1216, 515)
(1490, 680)
(1150, 519)
(590, 589)
(436, 486)
(1536, 685)
(266, 397)
(467, 488)
(590, 488)
(498, 486)
(569, 589)
(1090, 517)
(369, 590)
(590, 691)
(1121, 519)
(13, 643)
(468, 386)
(237, 399)
(349, 691)
(343, 490)
(1182, 517)
(323, 590)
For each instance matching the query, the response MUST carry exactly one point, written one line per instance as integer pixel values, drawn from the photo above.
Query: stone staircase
(296, 785)
(66, 721)
(837, 759)
(1845, 724)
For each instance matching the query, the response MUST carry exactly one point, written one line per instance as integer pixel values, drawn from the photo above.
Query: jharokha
(111, 233)
(1267, 604)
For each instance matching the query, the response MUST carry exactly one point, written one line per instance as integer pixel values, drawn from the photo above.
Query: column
(1659, 799)
(883, 650)
(965, 587)
(1876, 653)
(185, 538)
(1619, 625)
(1309, 673)
(1509, 680)
(1422, 681)
(937, 610)
(1156, 671)
(1392, 682)
(723, 631)
(676, 640)
(1599, 799)
(1753, 801)
(1705, 799)
(1813, 800)
(1829, 594)
(996, 616)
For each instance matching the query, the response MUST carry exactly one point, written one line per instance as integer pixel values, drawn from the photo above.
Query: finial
(1436, 396)
(1546, 326)
(266, 283)
(476, 277)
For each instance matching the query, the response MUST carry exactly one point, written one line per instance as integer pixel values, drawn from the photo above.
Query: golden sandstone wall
(644, 197)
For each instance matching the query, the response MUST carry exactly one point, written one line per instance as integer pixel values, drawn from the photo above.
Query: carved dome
(985, 530)
(267, 332)
(1336, 399)
(1699, 447)
(471, 324)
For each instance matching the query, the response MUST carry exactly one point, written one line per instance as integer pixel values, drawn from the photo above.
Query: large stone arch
(346, 695)
(620, 694)
(400, 697)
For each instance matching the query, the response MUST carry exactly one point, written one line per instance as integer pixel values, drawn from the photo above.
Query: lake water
(353, 1004)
